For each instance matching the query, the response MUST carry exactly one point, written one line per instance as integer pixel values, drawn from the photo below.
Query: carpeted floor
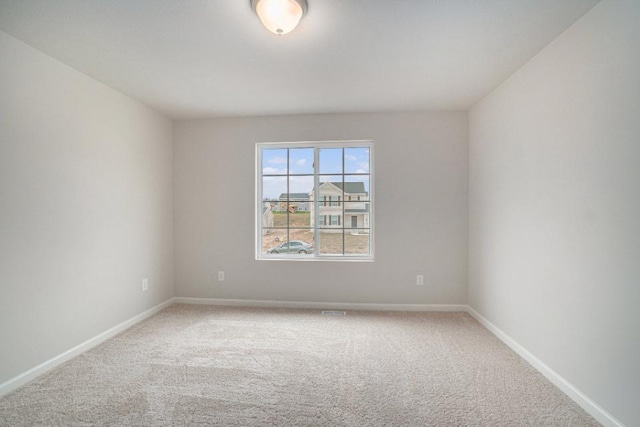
(222, 366)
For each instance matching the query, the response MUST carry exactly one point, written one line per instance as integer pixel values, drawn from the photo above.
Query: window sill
(307, 258)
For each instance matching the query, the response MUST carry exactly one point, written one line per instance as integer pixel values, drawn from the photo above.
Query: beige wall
(85, 208)
(420, 212)
(555, 207)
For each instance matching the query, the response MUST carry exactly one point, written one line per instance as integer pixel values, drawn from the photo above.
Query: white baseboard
(321, 305)
(595, 410)
(25, 377)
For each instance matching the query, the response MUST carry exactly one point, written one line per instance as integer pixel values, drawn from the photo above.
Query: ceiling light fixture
(279, 16)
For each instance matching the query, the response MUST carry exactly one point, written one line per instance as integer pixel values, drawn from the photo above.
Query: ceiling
(213, 58)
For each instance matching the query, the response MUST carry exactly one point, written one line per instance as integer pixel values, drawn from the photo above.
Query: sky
(274, 162)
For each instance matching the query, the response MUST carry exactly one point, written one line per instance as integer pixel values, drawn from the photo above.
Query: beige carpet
(217, 366)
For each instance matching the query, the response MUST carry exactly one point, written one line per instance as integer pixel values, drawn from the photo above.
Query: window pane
(300, 187)
(272, 239)
(301, 241)
(330, 242)
(268, 214)
(274, 187)
(274, 161)
(356, 160)
(330, 160)
(301, 161)
(280, 216)
(300, 214)
(356, 215)
(356, 242)
(330, 189)
(356, 187)
(330, 216)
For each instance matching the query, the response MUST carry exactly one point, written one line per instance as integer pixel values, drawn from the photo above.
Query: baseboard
(25, 377)
(595, 410)
(321, 305)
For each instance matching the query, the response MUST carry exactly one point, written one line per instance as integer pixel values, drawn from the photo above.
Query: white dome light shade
(280, 16)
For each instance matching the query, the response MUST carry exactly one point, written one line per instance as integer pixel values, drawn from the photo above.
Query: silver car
(292, 247)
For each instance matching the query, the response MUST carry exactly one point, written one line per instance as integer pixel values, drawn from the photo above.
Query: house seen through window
(314, 200)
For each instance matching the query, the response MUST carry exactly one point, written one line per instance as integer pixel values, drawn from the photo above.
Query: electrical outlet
(145, 285)
(419, 279)
(220, 276)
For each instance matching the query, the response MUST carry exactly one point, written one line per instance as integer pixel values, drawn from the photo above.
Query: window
(333, 182)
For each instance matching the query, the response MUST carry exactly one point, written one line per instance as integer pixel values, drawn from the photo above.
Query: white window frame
(316, 145)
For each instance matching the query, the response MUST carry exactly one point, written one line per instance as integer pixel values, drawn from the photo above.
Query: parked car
(292, 247)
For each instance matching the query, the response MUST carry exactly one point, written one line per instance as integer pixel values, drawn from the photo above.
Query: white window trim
(316, 146)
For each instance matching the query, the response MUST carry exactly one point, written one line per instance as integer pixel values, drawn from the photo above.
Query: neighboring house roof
(294, 196)
(349, 187)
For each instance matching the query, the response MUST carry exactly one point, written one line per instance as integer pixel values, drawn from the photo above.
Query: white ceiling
(207, 58)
